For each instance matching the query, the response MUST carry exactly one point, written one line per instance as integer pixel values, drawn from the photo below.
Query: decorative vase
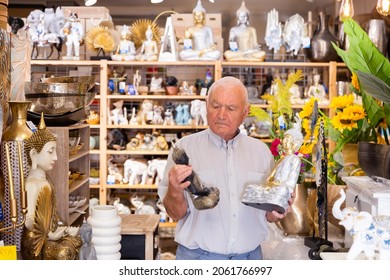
(295, 223)
(106, 232)
(376, 31)
(374, 159)
(18, 129)
(15, 133)
(321, 49)
(350, 154)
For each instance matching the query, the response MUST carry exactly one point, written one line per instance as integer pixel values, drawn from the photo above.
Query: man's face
(226, 110)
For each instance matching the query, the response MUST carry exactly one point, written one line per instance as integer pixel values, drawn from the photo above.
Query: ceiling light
(383, 7)
(90, 2)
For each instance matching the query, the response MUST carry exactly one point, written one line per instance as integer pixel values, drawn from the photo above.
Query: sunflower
(355, 82)
(343, 101)
(342, 121)
(354, 112)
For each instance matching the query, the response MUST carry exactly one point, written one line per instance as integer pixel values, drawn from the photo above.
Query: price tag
(8, 252)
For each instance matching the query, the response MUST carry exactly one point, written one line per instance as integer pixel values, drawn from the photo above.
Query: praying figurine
(199, 39)
(273, 32)
(149, 49)
(45, 237)
(126, 48)
(274, 193)
(243, 40)
(318, 90)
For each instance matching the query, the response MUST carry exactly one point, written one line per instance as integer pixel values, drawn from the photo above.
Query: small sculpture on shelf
(87, 250)
(293, 33)
(273, 32)
(274, 193)
(318, 90)
(156, 169)
(135, 171)
(74, 33)
(116, 139)
(118, 115)
(186, 89)
(126, 49)
(199, 112)
(45, 236)
(183, 116)
(156, 85)
(149, 48)
(243, 39)
(171, 85)
(199, 39)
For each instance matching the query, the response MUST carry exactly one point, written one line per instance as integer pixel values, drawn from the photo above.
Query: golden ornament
(99, 39)
(138, 30)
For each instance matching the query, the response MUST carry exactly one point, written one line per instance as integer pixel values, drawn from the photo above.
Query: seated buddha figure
(200, 38)
(149, 48)
(274, 193)
(243, 40)
(126, 48)
(45, 237)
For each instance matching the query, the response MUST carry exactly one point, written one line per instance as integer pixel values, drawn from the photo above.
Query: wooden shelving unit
(59, 175)
(184, 71)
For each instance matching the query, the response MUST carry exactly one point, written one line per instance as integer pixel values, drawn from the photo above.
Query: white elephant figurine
(370, 234)
(199, 112)
(156, 167)
(134, 169)
(140, 207)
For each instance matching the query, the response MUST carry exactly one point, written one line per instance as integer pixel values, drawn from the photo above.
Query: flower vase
(14, 134)
(350, 154)
(106, 232)
(295, 223)
(374, 159)
(321, 49)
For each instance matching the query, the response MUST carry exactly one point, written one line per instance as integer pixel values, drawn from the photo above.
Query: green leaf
(259, 114)
(374, 111)
(374, 86)
(386, 109)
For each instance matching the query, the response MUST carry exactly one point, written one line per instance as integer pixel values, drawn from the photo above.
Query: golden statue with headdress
(45, 236)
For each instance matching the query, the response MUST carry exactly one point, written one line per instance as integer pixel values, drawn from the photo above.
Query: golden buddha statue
(201, 36)
(45, 236)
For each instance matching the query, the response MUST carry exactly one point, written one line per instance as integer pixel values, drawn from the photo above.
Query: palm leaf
(374, 86)
(259, 114)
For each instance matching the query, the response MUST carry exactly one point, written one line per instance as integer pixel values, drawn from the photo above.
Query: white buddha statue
(243, 39)
(126, 48)
(318, 90)
(200, 44)
(149, 49)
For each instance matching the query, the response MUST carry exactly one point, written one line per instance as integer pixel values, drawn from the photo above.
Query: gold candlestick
(13, 205)
(23, 195)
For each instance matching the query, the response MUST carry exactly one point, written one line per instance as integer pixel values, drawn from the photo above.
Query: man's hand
(274, 216)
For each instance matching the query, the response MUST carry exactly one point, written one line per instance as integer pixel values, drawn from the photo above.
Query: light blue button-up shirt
(230, 227)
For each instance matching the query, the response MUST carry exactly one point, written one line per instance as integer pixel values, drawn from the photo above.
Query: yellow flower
(307, 109)
(354, 113)
(343, 101)
(342, 121)
(355, 82)
(307, 148)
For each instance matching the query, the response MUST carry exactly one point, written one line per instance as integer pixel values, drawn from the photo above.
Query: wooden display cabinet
(70, 160)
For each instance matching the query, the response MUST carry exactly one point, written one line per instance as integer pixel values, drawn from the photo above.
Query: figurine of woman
(126, 48)
(149, 49)
(74, 33)
(200, 38)
(45, 236)
(274, 193)
(243, 39)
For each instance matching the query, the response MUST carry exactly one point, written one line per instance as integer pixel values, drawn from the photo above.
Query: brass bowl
(59, 95)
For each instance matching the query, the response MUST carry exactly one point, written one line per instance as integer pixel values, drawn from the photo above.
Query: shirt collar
(221, 143)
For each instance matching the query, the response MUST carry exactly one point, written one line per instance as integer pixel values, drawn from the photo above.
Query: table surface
(139, 224)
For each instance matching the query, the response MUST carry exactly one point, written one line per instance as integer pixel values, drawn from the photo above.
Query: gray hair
(229, 81)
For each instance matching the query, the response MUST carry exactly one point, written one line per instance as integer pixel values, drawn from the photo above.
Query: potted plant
(372, 69)
(171, 85)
